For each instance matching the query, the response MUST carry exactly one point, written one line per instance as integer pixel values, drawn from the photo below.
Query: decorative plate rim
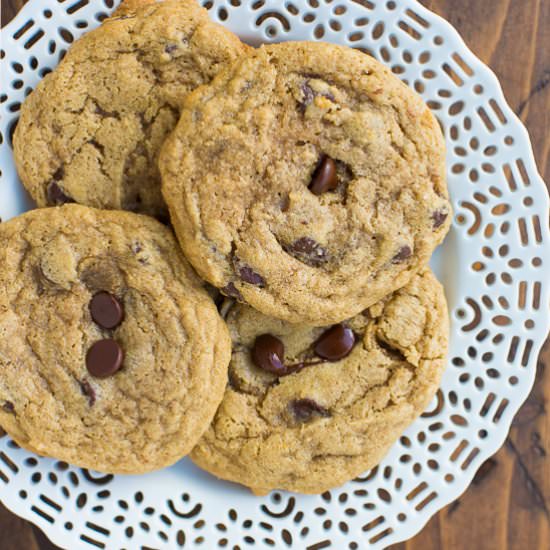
(408, 530)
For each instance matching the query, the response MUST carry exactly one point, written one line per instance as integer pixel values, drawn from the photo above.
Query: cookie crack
(405, 133)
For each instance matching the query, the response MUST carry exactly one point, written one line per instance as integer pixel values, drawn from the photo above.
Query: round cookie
(307, 181)
(307, 409)
(91, 131)
(112, 355)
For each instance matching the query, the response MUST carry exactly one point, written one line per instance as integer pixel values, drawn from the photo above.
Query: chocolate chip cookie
(91, 131)
(307, 409)
(306, 181)
(112, 356)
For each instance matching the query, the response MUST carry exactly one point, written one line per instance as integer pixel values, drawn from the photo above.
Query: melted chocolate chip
(285, 203)
(8, 407)
(56, 196)
(268, 354)
(248, 275)
(136, 248)
(308, 96)
(324, 178)
(402, 254)
(106, 310)
(439, 218)
(100, 273)
(305, 409)
(232, 291)
(308, 251)
(297, 367)
(335, 343)
(88, 391)
(104, 358)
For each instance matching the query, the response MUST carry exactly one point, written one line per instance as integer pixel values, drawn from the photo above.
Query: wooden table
(507, 507)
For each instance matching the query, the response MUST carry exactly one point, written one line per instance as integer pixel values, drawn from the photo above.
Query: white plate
(494, 264)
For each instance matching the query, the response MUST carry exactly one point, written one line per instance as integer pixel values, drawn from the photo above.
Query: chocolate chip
(99, 273)
(170, 48)
(324, 178)
(285, 203)
(439, 218)
(297, 367)
(106, 310)
(248, 275)
(308, 96)
(305, 409)
(335, 343)
(268, 354)
(8, 407)
(56, 196)
(402, 254)
(104, 358)
(308, 251)
(88, 391)
(232, 291)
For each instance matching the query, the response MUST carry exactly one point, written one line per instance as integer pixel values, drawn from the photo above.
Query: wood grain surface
(507, 507)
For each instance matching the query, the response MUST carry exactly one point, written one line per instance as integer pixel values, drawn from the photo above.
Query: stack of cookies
(278, 320)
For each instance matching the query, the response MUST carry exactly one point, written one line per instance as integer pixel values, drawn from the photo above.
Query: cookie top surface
(306, 424)
(112, 356)
(306, 180)
(91, 131)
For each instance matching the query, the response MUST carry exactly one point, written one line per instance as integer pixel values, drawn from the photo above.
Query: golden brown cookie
(91, 131)
(112, 356)
(307, 409)
(307, 181)
(129, 7)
